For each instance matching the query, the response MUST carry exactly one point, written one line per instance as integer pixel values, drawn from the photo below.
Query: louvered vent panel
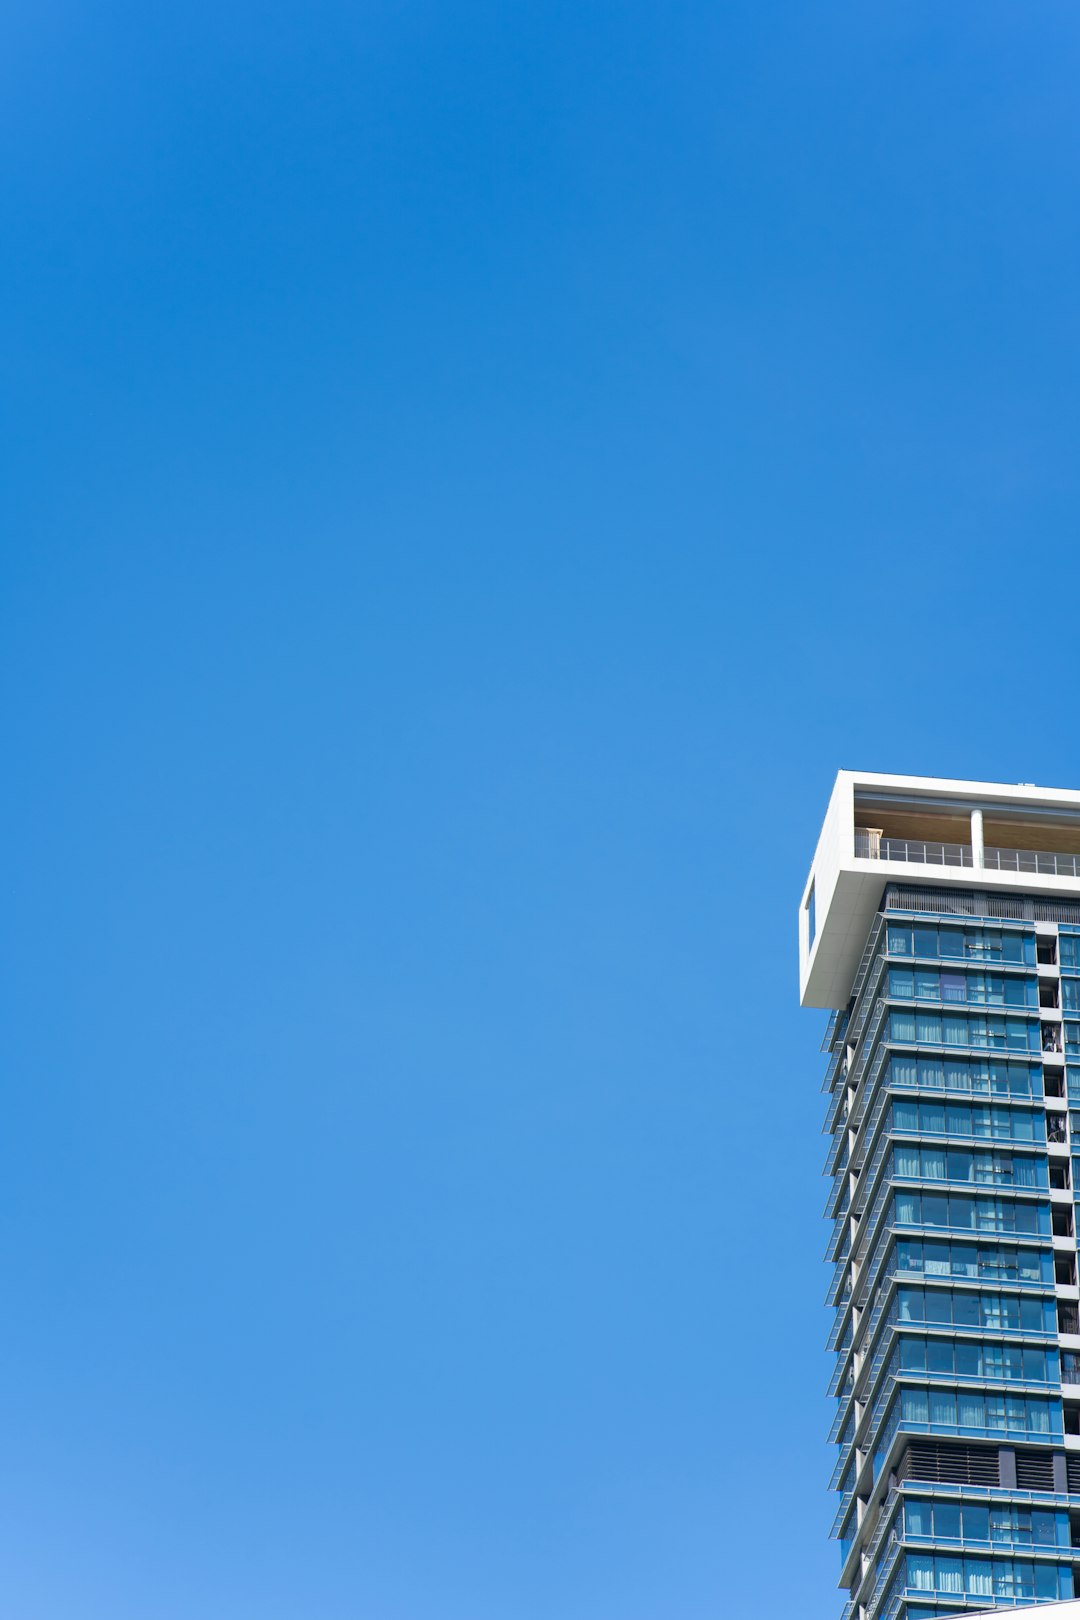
(950, 1464)
(1035, 1470)
(979, 903)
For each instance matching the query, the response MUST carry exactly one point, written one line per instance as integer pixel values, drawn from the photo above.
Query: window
(1013, 1579)
(965, 1119)
(953, 1307)
(960, 1212)
(973, 1410)
(952, 942)
(926, 1026)
(922, 1162)
(995, 1263)
(981, 1077)
(968, 1358)
(979, 989)
(968, 1521)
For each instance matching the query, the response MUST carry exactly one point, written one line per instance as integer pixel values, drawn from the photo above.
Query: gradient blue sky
(471, 473)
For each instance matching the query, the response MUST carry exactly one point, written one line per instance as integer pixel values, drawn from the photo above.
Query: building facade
(940, 925)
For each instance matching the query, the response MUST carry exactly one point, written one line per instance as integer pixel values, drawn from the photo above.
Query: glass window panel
(918, 1518)
(999, 1081)
(1022, 1123)
(979, 1122)
(970, 1407)
(992, 1310)
(950, 1574)
(1001, 1524)
(966, 1262)
(904, 1069)
(915, 1406)
(947, 1520)
(1003, 1578)
(937, 1257)
(994, 1411)
(956, 1072)
(928, 1027)
(905, 1114)
(976, 1522)
(939, 1355)
(1036, 1364)
(960, 1163)
(1043, 1528)
(906, 1160)
(931, 1073)
(978, 1576)
(920, 1572)
(913, 1354)
(965, 1310)
(1046, 1581)
(909, 1305)
(968, 1359)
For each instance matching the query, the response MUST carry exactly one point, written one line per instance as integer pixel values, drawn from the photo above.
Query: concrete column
(977, 856)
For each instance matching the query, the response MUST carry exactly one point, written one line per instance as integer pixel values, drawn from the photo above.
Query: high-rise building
(941, 926)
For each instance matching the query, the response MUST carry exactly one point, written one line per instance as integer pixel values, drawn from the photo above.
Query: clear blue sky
(471, 473)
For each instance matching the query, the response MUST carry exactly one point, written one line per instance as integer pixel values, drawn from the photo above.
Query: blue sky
(471, 474)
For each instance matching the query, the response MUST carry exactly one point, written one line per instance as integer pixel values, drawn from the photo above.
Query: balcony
(1041, 863)
(875, 847)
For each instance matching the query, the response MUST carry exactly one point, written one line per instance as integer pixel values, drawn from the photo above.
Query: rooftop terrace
(987, 835)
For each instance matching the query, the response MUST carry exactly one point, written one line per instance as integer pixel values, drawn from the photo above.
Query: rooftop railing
(873, 847)
(924, 852)
(1031, 860)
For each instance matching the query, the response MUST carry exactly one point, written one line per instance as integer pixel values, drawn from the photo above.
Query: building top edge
(951, 787)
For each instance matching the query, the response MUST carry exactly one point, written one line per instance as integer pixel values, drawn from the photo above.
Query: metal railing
(843, 1377)
(838, 1234)
(1031, 860)
(839, 1194)
(927, 852)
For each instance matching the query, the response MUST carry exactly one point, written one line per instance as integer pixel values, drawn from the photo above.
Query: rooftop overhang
(844, 890)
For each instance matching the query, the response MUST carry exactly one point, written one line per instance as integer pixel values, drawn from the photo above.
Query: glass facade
(953, 1248)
